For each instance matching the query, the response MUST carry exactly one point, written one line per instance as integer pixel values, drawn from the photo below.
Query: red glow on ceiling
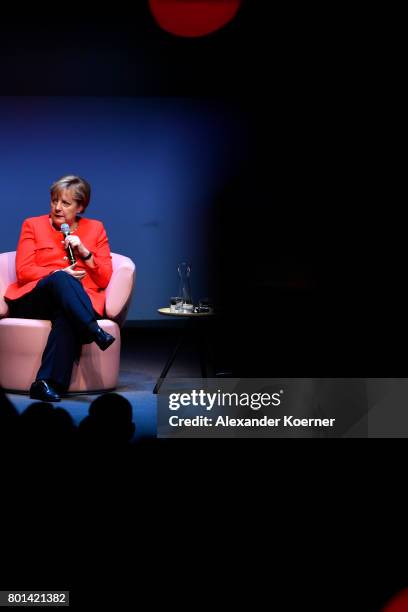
(193, 17)
(399, 603)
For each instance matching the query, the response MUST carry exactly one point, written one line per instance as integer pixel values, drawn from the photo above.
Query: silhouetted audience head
(109, 423)
(42, 426)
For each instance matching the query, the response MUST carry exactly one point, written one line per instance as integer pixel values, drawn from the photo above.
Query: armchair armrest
(7, 276)
(119, 291)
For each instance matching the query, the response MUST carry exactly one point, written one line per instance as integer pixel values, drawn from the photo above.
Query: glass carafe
(184, 270)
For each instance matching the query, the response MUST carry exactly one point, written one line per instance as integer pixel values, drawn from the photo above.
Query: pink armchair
(22, 341)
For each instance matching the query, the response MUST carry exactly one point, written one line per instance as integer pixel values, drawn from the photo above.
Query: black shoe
(41, 390)
(103, 339)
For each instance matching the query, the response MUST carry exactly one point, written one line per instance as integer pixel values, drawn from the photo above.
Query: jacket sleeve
(26, 268)
(102, 272)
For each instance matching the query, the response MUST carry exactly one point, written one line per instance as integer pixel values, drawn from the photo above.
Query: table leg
(169, 363)
(202, 353)
(199, 337)
(204, 349)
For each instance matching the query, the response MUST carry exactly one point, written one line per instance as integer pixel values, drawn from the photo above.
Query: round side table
(191, 328)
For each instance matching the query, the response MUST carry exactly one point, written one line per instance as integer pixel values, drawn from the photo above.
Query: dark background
(308, 259)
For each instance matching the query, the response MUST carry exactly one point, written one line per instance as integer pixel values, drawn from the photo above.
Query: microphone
(66, 232)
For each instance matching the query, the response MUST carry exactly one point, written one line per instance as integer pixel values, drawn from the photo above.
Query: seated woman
(72, 296)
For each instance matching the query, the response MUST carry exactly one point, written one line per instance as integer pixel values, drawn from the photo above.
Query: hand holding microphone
(73, 242)
(66, 231)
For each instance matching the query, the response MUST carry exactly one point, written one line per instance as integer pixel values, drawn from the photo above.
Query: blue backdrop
(155, 166)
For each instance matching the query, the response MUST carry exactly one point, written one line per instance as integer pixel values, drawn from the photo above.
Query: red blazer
(40, 252)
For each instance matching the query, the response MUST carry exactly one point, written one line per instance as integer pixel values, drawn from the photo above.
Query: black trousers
(62, 299)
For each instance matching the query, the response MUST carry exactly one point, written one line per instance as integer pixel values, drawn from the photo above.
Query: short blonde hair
(80, 187)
